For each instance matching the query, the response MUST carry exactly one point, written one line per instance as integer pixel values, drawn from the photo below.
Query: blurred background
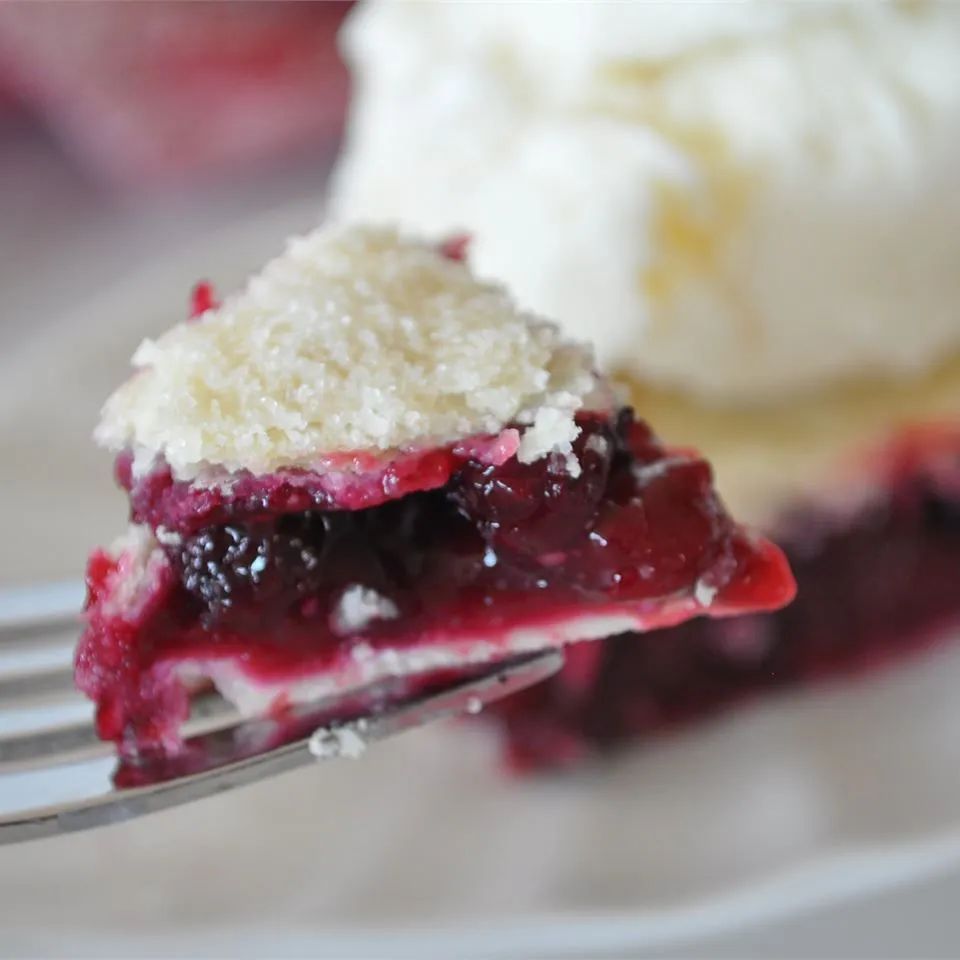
(754, 210)
(156, 122)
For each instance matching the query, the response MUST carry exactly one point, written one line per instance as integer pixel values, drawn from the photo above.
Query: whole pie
(369, 464)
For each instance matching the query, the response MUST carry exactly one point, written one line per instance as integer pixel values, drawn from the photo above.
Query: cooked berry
(539, 508)
(255, 571)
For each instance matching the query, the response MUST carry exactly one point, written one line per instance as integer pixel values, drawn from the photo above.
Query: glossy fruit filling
(499, 557)
(870, 588)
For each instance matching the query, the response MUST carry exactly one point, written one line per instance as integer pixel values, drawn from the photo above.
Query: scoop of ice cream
(354, 341)
(738, 200)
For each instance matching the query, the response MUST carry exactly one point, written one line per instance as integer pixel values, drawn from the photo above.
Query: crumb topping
(346, 740)
(354, 340)
(359, 606)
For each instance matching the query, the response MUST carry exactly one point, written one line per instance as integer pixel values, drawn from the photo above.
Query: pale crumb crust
(356, 339)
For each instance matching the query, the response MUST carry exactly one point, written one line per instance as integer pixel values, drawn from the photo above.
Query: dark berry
(636, 442)
(539, 508)
(264, 569)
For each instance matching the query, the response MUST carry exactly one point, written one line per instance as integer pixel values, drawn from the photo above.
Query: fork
(51, 738)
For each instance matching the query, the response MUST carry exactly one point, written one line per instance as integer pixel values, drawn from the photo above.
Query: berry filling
(202, 299)
(349, 482)
(870, 588)
(280, 598)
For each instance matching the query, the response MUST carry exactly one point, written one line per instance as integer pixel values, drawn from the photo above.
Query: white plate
(422, 848)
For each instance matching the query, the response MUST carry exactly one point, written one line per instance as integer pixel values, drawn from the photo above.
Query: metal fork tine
(79, 741)
(32, 689)
(221, 775)
(62, 745)
(29, 639)
(40, 607)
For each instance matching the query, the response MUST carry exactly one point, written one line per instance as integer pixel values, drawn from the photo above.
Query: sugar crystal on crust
(354, 340)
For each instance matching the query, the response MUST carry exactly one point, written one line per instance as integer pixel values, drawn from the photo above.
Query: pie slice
(367, 465)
